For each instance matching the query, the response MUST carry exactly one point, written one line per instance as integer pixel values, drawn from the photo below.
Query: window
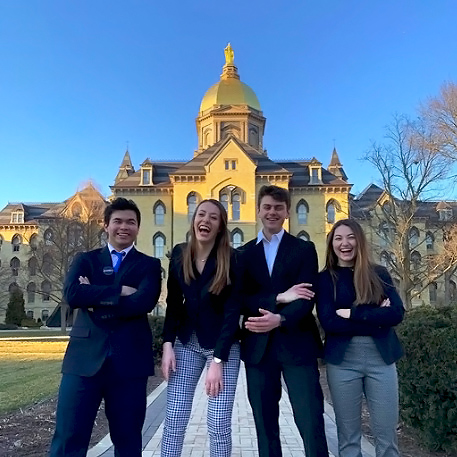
(159, 245)
(233, 164)
(452, 291)
(13, 287)
(237, 238)
(31, 289)
(33, 242)
(224, 199)
(445, 214)
(413, 237)
(16, 242)
(48, 237)
(429, 241)
(304, 236)
(47, 264)
(163, 273)
(17, 217)
(227, 164)
(236, 206)
(103, 238)
(415, 260)
(146, 177)
(432, 291)
(15, 264)
(44, 315)
(1, 242)
(33, 266)
(29, 314)
(385, 234)
(75, 235)
(46, 290)
(159, 213)
(302, 212)
(230, 164)
(192, 201)
(331, 213)
(384, 259)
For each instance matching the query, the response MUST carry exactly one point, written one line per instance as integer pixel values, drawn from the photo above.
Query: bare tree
(413, 172)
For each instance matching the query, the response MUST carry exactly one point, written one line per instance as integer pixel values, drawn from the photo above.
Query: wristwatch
(217, 360)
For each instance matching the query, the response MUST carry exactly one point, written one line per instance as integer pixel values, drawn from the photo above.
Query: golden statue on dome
(229, 55)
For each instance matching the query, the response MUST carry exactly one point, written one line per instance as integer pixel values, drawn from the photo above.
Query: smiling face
(272, 213)
(122, 229)
(207, 222)
(344, 245)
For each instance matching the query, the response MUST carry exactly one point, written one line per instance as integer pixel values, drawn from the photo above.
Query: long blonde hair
(367, 284)
(223, 252)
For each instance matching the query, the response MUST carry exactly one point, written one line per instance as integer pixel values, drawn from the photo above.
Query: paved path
(243, 429)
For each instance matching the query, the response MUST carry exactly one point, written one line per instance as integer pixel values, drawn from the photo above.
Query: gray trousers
(363, 372)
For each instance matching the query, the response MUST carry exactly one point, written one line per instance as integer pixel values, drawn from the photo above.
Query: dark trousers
(78, 403)
(305, 394)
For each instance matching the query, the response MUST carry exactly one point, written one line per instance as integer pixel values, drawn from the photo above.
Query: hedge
(156, 324)
(428, 375)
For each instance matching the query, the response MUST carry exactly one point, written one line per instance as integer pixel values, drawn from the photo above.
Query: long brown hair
(367, 284)
(222, 244)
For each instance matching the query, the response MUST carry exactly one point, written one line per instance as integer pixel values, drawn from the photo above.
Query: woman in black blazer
(201, 329)
(358, 306)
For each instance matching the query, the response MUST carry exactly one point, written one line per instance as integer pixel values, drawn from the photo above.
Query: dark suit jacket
(192, 308)
(106, 323)
(365, 319)
(297, 340)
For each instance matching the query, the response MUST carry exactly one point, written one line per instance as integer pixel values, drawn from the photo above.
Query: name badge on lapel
(108, 271)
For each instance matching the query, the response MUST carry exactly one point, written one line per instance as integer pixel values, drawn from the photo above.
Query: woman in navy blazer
(358, 306)
(201, 329)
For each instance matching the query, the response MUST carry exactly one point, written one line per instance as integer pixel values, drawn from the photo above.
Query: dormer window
(445, 214)
(17, 217)
(315, 175)
(145, 177)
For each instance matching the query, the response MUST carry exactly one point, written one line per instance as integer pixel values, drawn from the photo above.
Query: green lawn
(29, 333)
(29, 372)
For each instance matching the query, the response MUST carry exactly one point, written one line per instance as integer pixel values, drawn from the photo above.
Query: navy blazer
(106, 323)
(365, 319)
(297, 340)
(192, 308)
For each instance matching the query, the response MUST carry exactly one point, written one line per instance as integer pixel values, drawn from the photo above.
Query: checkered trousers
(190, 362)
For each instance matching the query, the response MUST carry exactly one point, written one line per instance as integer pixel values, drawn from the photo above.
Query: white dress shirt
(114, 258)
(270, 247)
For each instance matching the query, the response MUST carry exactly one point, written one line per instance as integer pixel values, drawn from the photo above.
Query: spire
(335, 167)
(125, 169)
(229, 70)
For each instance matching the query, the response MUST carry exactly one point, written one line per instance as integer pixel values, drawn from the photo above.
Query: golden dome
(229, 90)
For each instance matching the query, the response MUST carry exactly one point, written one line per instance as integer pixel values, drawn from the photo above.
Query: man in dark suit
(109, 355)
(279, 331)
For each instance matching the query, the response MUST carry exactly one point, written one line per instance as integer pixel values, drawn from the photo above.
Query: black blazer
(297, 340)
(365, 319)
(106, 323)
(192, 308)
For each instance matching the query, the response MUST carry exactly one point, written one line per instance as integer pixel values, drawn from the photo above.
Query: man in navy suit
(280, 335)
(109, 355)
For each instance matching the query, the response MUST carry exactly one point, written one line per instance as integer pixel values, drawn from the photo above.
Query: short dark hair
(277, 193)
(121, 204)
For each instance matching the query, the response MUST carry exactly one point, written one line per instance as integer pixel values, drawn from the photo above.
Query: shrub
(156, 324)
(8, 327)
(428, 375)
(15, 311)
(30, 323)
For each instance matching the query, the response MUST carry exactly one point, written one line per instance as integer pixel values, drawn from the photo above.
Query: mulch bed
(28, 432)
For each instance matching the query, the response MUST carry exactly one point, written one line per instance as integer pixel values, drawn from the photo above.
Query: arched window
(452, 291)
(302, 212)
(48, 237)
(159, 213)
(16, 242)
(47, 264)
(13, 287)
(429, 241)
(75, 235)
(33, 242)
(237, 238)
(415, 260)
(432, 292)
(192, 201)
(46, 290)
(31, 289)
(159, 245)
(44, 315)
(224, 199)
(385, 234)
(236, 206)
(413, 237)
(76, 210)
(29, 314)
(33, 266)
(15, 264)
(331, 212)
(304, 236)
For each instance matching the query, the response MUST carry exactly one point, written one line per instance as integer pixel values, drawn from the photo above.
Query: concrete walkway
(243, 429)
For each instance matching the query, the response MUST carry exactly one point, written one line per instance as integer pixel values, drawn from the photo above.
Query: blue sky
(78, 79)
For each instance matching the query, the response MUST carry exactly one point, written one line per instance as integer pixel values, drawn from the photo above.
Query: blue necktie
(119, 256)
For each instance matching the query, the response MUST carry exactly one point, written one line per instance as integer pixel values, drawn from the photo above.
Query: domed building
(230, 164)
